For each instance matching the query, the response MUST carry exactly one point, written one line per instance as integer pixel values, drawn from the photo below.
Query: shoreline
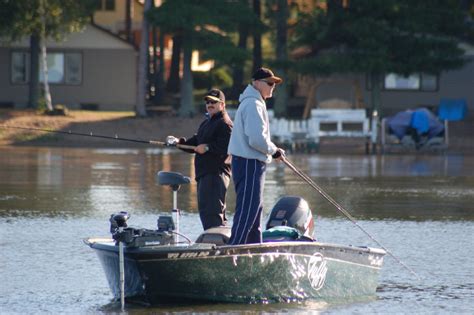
(126, 125)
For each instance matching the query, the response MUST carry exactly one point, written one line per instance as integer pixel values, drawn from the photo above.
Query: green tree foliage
(398, 36)
(21, 17)
(207, 26)
(377, 37)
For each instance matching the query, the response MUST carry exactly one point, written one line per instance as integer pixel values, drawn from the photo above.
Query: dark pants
(211, 192)
(249, 178)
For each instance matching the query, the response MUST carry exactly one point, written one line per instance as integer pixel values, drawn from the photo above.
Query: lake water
(419, 207)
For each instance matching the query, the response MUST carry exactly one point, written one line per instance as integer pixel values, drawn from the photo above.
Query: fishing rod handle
(185, 146)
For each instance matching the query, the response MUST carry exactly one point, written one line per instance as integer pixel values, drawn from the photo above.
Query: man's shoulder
(251, 104)
(225, 120)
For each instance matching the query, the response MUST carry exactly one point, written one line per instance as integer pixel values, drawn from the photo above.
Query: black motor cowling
(135, 237)
(292, 211)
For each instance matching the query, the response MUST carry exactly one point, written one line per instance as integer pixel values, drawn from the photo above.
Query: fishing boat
(289, 265)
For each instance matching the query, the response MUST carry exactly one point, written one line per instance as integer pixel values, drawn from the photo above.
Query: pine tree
(378, 37)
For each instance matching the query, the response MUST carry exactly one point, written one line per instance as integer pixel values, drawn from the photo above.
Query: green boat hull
(254, 273)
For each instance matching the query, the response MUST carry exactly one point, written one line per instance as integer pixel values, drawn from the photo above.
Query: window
(63, 68)
(55, 63)
(109, 5)
(20, 67)
(416, 82)
(397, 82)
(73, 68)
(429, 82)
(105, 5)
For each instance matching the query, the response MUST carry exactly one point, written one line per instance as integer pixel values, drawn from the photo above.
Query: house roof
(91, 37)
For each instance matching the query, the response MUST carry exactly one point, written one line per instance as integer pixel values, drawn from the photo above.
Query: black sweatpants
(249, 178)
(211, 192)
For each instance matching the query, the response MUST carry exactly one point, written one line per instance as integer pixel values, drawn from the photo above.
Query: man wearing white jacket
(251, 149)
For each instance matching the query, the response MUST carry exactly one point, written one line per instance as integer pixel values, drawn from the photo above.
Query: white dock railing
(322, 123)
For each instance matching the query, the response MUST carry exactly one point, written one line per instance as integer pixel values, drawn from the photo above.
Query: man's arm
(256, 129)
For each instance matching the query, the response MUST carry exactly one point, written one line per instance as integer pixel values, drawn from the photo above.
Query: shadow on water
(179, 307)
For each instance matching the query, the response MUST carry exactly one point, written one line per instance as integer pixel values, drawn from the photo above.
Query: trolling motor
(167, 231)
(134, 237)
(118, 222)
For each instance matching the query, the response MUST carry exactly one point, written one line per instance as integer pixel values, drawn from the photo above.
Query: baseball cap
(267, 74)
(215, 95)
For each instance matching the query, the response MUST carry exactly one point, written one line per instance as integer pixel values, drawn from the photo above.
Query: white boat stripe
(260, 254)
(246, 230)
(242, 205)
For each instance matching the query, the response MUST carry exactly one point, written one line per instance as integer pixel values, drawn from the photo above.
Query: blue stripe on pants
(249, 178)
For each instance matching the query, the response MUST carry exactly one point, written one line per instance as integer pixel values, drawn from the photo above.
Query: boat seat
(216, 235)
(172, 179)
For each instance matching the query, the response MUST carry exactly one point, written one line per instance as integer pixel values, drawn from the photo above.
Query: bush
(216, 78)
(221, 78)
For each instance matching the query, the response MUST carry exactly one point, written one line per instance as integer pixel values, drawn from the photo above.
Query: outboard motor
(292, 212)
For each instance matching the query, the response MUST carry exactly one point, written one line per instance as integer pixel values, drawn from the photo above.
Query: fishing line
(342, 210)
(69, 132)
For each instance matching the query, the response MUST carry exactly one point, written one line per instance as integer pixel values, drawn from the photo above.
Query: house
(93, 68)
(113, 16)
(398, 93)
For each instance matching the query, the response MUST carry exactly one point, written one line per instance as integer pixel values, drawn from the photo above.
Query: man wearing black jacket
(211, 163)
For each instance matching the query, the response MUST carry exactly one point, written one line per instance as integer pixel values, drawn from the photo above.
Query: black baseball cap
(267, 74)
(215, 95)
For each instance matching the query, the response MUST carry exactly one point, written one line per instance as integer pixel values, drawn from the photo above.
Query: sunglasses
(268, 83)
(211, 102)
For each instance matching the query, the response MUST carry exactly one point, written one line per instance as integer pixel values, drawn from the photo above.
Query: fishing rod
(69, 132)
(341, 209)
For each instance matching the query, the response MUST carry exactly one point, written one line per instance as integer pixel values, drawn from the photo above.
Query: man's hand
(202, 148)
(279, 154)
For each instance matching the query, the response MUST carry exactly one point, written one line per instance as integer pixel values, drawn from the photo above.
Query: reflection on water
(420, 207)
(85, 181)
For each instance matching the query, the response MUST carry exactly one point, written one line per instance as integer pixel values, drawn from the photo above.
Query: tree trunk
(44, 57)
(173, 79)
(281, 97)
(44, 62)
(186, 108)
(34, 87)
(376, 81)
(153, 80)
(257, 39)
(238, 73)
(128, 20)
(160, 75)
(140, 109)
